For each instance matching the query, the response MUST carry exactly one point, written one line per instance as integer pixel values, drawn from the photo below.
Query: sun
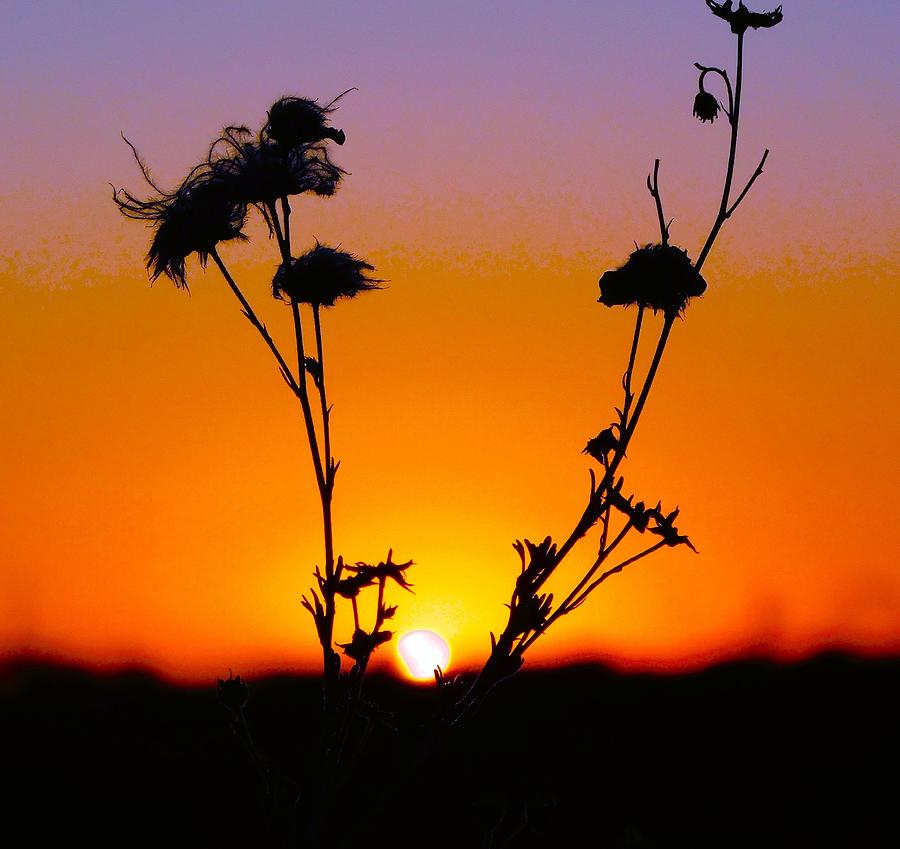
(422, 651)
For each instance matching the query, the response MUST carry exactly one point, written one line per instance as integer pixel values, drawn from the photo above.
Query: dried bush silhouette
(660, 278)
(290, 156)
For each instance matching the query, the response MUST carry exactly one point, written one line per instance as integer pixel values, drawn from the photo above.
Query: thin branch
(303, 395)
(653, 188)
(566, 605)
(326, 412)
(589, 516)
(629, 372)
(254, 320)
(579, 601)
(648, 382)
(602, 556)
(750, 182)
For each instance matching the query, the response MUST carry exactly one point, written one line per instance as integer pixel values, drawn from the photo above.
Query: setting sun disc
(422, 651)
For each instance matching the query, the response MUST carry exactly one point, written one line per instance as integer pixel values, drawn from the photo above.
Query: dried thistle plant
(660, 278)
(243, 170)
(290, 156)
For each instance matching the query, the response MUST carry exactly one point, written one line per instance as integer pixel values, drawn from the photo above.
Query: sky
(158, 505)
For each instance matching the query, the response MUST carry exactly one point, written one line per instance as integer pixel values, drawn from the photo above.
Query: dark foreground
(748, 754)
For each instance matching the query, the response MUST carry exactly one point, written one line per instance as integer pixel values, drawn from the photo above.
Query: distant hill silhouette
(747, 754)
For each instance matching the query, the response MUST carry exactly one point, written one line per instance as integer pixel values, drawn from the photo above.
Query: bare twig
(653, 188)
(750, 182)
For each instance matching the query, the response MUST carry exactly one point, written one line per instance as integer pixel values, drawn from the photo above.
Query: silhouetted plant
(658, 277)
(290, 156)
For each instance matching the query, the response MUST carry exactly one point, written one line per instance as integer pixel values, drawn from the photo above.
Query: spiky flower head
(322, 275)
(194, 218)
(295, 121)
(660, 277)
(706, 107)
(258, 171)
(742, 18)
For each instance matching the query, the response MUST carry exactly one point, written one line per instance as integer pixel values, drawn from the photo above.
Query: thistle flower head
(660, 277)
(706, 107)
(295, 121)
(742, 18)
(198, 215)
(322, 275)
(258, 171)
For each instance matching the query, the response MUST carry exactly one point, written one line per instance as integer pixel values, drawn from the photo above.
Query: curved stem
(732, 155)
(724, 75)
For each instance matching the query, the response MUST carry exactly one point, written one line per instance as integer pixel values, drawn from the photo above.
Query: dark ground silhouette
(746, 754)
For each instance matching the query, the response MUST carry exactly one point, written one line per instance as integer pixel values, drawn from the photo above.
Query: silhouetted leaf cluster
(529, 609)
(639, 516)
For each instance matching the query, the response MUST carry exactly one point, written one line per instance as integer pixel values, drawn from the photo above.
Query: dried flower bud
(601, 445)
(706, 107)
(232, 692)
(323, 275)
(295, 121)
(660, 277)
(362, 644)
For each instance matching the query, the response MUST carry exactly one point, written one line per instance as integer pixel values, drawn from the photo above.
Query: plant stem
(286, 212)
(563, 607)
(326, 489)
(645, 390)
(588, 517)
(653, 186)
(629, 372)
(303, 395)
(326, 412)
(734, 118)
(616, 569)
(254, 320)
(324, 469)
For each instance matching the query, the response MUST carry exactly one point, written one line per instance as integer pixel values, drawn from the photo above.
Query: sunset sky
(158, 505)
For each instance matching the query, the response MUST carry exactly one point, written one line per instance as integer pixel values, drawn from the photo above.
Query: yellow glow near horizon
(422, 652)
